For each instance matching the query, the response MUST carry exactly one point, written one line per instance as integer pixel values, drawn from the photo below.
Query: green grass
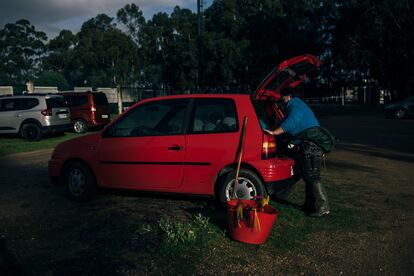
(181, 253)
(10, 145)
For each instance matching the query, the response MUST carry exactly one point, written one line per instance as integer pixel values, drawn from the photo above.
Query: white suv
(33, 115)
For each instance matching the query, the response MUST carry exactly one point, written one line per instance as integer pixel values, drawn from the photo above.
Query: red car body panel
(145, 163)
(134, 162)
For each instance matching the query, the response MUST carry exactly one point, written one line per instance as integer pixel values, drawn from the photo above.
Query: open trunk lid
(289, 73)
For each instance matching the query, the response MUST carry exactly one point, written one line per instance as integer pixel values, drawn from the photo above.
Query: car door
(9, 120)
(211, 142)
(145, 148)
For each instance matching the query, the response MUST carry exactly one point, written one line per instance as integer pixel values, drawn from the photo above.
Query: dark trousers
(309, 159)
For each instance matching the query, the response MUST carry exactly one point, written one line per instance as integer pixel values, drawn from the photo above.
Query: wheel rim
(79, 126)
(245, 189)
(31, 132)
(400, 113)
(76, 182)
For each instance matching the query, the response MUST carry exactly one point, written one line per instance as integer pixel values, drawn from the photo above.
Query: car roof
(33, 95)
(72, 93)
(197, 96)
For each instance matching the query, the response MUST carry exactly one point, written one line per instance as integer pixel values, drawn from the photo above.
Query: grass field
(10, 145)
(180, 246)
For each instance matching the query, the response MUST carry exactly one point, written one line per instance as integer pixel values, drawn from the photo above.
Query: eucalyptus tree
(22, 48)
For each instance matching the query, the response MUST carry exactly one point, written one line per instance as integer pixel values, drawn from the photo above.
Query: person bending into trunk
(311, 142)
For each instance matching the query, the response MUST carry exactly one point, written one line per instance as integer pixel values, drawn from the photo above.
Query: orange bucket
(253, 224)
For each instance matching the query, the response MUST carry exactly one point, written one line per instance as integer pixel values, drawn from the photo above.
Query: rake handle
(240, 155)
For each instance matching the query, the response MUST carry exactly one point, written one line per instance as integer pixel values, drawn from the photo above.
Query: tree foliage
(21, 47)
(241, 41)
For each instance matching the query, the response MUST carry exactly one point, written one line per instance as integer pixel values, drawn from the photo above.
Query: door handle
(175, 147)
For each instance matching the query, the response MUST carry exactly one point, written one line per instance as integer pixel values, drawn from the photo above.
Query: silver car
(33, 115)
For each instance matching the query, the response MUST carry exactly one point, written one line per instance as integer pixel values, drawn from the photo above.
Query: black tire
(250, 186)
(79, 126)
(400, 113)
(79, 182)
(31, 132)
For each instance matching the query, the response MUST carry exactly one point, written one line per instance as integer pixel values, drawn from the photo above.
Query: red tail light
(93, 109)
(268, 146)
(46, 112)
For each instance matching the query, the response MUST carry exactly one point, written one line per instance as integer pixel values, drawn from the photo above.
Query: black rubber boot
(320, 204)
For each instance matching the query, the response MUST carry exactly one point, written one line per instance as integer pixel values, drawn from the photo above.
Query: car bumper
(56, 128)
(275, 169)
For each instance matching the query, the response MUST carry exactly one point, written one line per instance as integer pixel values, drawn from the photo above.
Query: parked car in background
(33, 115)
(400, 109)
(87, 109)
(186, 144)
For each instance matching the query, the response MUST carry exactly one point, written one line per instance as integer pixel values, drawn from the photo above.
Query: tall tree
(132, 18)
(108, 56)
(21, 49)
(376, 38)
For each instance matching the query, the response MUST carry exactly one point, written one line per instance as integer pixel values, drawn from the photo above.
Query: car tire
(31, 132)
(400, 113)
(79, 182)
(250, 186)
(79, 126)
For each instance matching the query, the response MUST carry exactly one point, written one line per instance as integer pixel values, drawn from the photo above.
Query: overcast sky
(51, 16)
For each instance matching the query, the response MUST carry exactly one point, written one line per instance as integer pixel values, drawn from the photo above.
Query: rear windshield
(265, 111)
(100, 99)
(55, 102)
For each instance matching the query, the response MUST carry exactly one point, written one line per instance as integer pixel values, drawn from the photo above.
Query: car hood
(289, 73)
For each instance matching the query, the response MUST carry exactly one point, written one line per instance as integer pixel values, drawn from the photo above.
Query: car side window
(74, 101)
(214, 116)
(153, 119)
(29, 103)
(9, 105)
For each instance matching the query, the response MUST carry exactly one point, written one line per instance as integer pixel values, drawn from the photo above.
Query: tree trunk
(119, 96)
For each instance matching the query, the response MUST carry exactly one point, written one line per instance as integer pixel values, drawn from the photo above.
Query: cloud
(52, 16)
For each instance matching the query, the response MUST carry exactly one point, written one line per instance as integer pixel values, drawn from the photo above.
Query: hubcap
(76, 182)
(79, 126)
(31, 132)
(245, 189)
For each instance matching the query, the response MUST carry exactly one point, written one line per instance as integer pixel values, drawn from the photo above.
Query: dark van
(87, 110)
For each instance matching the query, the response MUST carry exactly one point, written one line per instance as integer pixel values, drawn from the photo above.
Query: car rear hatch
(57, 110)
(100, 109)
(289, 73)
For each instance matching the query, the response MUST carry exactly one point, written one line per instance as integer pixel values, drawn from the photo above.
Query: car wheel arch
(231, 167)
(29, 121)
(71, 161)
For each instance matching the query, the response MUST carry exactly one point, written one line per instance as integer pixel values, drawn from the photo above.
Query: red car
(87, 110)
(185, 144)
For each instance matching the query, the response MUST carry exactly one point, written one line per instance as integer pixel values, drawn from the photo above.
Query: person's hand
(269, 131)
